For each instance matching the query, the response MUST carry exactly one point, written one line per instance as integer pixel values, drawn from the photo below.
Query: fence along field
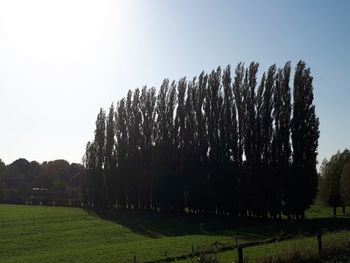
(62, 234)
(331, 246)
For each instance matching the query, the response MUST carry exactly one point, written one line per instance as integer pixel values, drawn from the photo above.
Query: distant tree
(24, 166)
(54, 176)
(345, 182)
(2, 178)
(305, 134)
(19, 179)
(15, 184)
(331, 190)
(34, 170)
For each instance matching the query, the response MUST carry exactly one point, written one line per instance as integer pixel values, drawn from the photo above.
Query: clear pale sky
(60, 61)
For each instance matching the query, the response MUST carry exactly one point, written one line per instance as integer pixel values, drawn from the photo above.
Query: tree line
(216, 144)
(32, 182)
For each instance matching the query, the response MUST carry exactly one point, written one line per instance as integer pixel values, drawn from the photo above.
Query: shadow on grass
(156, 225)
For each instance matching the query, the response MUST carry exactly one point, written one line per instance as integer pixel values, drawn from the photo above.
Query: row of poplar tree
(210, 145)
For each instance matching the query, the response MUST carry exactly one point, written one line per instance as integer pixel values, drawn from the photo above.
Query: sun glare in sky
(54, 31)
(52, 54)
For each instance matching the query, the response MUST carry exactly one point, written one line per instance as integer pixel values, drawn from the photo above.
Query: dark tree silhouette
(281, 147)
(110, 158)
(212, 145)
(305, 134)
(269, 181)
(122, 149)
(99, 179)
(147, 107)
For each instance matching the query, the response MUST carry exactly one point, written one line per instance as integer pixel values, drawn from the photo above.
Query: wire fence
(326, 245)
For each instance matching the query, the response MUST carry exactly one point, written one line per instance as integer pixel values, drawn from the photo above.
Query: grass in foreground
(58, 234)
(335, 245)
(336, 248)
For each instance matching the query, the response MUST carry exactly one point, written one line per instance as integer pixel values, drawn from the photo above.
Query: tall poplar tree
(122, 154)
(238, 90)
(147, 107)
(305, 134)
(213, 104)
(251, 137)
(100, 144)
(110, 158)
(281, 145)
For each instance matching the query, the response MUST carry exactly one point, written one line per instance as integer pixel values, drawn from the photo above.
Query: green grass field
(303, 245)
(59, 234)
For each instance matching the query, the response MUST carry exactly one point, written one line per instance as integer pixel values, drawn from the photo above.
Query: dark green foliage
(345, 182)
(212, 145)
(2, 179)
(31, 182)
(333, 189)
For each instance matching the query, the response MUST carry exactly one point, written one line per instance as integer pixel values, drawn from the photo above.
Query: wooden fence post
(319, 242)
(240, 254)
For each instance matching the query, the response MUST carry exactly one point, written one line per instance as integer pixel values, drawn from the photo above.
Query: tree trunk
(343, 209)
(334, 211)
